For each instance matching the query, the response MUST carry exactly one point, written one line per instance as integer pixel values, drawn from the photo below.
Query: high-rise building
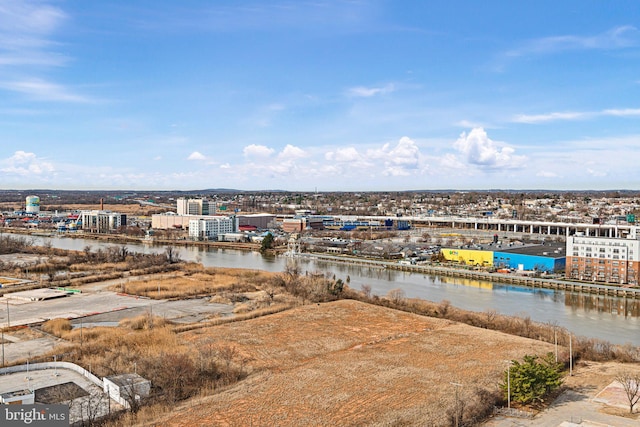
(195, 206)
(604, 259)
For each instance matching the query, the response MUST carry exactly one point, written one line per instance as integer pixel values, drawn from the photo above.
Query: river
(604, 317)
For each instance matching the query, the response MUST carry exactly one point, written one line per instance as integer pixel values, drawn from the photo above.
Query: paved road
(88, 304)
(570, 409)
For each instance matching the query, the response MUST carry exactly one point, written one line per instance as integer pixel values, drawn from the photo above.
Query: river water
(609, 318)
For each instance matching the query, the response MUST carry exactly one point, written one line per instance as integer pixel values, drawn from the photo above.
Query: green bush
(532, 379)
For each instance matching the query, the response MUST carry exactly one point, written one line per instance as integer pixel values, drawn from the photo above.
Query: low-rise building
(19, 397)
(261, 221)
(547, 257)
(126, 388)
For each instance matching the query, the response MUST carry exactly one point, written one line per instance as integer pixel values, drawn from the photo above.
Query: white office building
(195, 206)
(210, 228)
(102, 221)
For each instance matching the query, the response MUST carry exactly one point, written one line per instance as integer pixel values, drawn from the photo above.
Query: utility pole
(509, 387)
(570, 357)
(457, 410)
(8, 318)
(509, 383)
(555, 340)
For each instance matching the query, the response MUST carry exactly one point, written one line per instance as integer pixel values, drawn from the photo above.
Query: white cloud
(624, 112)
(366, 92)
(25, 164)
(25, 28)
(43, 90)
(540, 118)
(348, 154)
(468, 124)
(197, 156)
(575, 115)
(546, 174)
(291, 152)
(479, 150)
(27, 46)
(596, 173)
(399, 159)
(260, 151)
(616, 38)
(451, 161)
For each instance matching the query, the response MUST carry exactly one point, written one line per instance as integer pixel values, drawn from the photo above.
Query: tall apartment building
(604, 259)
(195, 206)
(210, 228)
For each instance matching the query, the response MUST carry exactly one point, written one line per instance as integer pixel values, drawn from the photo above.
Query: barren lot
(349, 363)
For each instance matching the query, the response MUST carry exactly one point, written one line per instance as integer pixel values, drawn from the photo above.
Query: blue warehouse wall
(528, 262)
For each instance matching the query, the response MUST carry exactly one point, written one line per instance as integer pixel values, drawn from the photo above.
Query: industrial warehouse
(545, 257)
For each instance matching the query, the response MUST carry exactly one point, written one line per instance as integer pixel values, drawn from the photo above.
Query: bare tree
(92, 408)
(171, 255)
(397, 295)
(366, 290)
(631, 384)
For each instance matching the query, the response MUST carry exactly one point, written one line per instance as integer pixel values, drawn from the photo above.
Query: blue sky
(329, 95)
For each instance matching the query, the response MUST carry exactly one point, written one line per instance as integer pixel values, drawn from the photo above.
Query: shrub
(531, 380)
(57, 327)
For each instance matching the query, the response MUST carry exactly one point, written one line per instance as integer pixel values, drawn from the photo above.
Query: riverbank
(514, 279)
(121, 239)
(433, 269)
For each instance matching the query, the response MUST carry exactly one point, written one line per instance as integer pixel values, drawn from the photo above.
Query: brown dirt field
(182, 284)
(130, 208)
(350, 363)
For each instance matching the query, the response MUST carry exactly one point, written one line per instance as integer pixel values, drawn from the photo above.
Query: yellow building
(468, 256)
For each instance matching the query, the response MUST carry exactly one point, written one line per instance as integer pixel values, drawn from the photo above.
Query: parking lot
(22, 312)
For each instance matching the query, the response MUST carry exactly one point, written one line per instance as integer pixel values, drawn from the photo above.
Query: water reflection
(624, 307)
(614, 319)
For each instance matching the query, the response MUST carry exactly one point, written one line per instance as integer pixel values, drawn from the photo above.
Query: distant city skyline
(352, 95)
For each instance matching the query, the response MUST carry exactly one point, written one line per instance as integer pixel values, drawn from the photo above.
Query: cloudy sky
(319, 94)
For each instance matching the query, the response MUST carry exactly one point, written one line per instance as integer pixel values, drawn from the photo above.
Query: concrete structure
(99, 221)
(168, 221)
(32, 205)
(261, 221)
(195, 206)
(489, 223)
(603, 259)
(19, 397)
(233, 237)
(126, 388)
(210, 227)
(293, 225)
